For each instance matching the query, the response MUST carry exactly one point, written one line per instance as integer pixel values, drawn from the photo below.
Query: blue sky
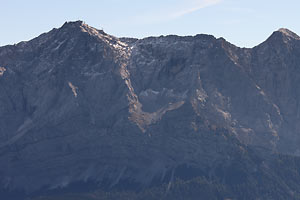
(243, 23)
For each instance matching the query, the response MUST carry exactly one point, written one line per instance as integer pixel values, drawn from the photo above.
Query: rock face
(77, 104)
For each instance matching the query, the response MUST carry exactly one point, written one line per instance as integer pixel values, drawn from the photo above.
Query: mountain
(85, 112)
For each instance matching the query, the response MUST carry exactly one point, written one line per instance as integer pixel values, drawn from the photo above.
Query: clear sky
(245, 23)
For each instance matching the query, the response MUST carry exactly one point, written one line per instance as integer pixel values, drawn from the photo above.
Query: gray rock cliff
(77, 104)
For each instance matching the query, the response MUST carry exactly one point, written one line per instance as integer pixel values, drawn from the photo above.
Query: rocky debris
(2, 70)
(142, 107)
(73, 88)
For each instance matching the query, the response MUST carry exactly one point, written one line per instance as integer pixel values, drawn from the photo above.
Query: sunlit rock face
(77, 104)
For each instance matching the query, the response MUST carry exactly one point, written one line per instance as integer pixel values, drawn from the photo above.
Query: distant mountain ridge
(80, 105)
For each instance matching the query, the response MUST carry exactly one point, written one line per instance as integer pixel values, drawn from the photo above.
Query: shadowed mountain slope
(79, 105)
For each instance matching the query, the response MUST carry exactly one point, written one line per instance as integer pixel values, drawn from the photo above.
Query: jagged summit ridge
(74, 23)
(79, 104)
(93, 31)
(81, 26)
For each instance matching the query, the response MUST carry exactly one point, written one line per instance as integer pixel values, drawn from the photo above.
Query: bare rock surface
(77, 104)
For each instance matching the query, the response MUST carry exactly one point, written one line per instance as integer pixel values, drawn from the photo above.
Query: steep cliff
(77, 104)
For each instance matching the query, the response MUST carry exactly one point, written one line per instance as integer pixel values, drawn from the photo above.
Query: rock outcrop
(77, 104)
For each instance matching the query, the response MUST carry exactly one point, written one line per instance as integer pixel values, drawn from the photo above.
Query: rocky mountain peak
(81, 27)
(78, 104)
(281, 36)
(288, 33)
(73, 23)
